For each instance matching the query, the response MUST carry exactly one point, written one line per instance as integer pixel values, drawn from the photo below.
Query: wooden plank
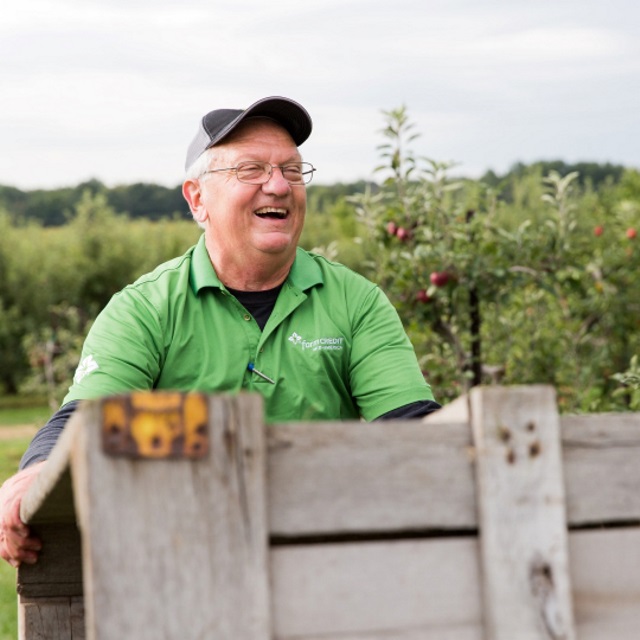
(58, 571)
(600, 454)
(48, 497)
(357, 477)
(526, 585)
(50, 603)
(332, 478)
(176, 548)
(605, 572)
(367, 470)
(430, 589)
(427, 589)
(51, 619)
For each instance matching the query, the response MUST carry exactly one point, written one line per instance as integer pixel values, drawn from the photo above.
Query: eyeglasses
(255, 172)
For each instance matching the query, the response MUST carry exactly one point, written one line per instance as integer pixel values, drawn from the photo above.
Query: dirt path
(17, 431)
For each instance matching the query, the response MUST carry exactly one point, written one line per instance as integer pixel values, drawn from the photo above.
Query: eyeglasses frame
(282, 167)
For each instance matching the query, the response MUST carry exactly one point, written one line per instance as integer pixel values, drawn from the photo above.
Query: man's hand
(17, 545)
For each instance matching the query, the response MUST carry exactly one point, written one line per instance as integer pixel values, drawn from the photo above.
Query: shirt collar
(305, 272)
(202, 272)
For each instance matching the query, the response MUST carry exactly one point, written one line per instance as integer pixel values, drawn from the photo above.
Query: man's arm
(42, 443)
(385, 377)
(17, 545)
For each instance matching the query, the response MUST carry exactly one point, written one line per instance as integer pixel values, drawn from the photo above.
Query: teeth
(272, 211)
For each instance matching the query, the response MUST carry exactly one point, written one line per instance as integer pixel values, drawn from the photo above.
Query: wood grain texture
(194, 534)
(51, 619)
(176, 548)
(358, 477)
(58, 571)
(600, 460)
(352, 477)
(605, 571)
(431, 589)
(526, 586)
(425, 589)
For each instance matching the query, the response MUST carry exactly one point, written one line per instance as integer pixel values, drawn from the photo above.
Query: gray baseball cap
(218, 124)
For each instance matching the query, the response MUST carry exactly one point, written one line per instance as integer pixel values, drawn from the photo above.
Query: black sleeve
(412, 410)
(42, 443)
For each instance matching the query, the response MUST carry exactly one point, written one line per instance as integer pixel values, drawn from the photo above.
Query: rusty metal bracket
(156, 424)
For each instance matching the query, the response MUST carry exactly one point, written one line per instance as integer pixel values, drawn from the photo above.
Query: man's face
(245, 222)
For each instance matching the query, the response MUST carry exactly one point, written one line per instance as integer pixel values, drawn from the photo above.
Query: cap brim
(288, 113)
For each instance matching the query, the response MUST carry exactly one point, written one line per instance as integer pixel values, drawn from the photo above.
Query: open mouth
(273, 213)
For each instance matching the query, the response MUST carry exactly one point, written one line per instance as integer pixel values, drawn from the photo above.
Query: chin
(278, 243)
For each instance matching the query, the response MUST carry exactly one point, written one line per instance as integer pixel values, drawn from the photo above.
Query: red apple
(423, 296)
(439, 278)
(392, 228)
(598, 231)
(402, 233)
(631, 233)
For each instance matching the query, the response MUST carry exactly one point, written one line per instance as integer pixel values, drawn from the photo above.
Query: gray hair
(197, 168)
(201, 164)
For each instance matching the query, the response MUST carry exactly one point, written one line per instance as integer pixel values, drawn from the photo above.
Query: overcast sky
(113, 90)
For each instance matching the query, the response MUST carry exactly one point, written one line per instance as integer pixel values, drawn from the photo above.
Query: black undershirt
(259, 304)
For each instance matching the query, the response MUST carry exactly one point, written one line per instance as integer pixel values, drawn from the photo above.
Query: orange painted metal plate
(156, 424)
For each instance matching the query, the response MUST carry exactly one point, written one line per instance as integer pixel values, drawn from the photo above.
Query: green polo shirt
(333, 346)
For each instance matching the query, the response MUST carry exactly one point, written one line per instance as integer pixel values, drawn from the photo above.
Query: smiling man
(245, 309)
(251, 201)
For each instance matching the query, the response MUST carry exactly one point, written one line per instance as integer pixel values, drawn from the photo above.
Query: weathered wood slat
(600, 459)
(344, 591)
(48, 497)
(525, 567)
(355, 477)
(51, 619)
(350, 477)
(605, 571)
(339, 480)
(59, 569)
(327, 478)
(206, 560)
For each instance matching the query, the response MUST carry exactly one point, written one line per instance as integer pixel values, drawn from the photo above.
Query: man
(245, 309)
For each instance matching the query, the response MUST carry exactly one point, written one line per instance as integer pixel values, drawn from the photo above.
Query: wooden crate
(492, 519)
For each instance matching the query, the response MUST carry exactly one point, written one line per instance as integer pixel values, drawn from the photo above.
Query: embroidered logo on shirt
(317, 344)
(86, 366)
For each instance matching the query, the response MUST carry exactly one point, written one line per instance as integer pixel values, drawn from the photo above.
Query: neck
(262, 272)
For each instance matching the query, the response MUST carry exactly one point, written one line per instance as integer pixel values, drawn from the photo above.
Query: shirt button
(247, 317)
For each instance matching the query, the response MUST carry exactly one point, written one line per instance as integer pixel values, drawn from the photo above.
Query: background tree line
(56, 207)
(528, 277)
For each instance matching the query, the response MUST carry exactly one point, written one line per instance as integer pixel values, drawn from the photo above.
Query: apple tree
(518, 289)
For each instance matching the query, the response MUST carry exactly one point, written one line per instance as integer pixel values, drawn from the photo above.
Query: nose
(277, 184)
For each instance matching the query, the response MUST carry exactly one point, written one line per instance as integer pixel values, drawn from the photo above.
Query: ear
(193, 195)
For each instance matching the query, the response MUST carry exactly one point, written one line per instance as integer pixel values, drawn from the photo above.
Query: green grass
(8, 603)
(35, 415)
(11, 451)
(14, 411)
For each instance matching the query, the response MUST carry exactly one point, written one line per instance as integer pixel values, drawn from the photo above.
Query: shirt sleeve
(411, 411)
(44, 441)
(123, 350)
(384, 370)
